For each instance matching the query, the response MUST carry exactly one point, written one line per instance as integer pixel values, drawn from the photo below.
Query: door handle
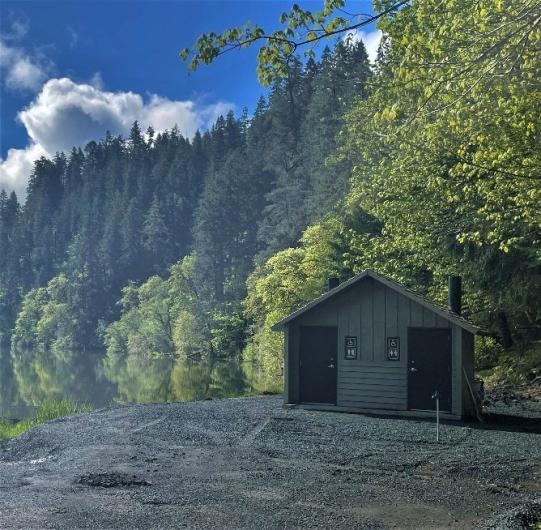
(330, 366)
(412, 369)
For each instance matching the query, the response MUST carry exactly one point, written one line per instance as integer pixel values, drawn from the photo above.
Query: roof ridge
(406, 291)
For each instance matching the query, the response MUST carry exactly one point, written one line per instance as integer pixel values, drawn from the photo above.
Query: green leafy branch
(300, 28)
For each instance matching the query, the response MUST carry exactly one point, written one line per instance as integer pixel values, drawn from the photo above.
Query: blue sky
(70, 70)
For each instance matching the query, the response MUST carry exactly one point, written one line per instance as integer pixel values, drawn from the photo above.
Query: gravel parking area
(249, 463)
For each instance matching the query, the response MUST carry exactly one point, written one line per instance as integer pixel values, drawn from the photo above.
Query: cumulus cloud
(21, 71)
(371, 41)
(66, 113)
(16, 168)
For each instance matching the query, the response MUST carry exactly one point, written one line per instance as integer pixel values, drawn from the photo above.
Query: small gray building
(371, 345)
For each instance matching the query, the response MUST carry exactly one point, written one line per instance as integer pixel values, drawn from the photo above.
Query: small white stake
(437, 418)
(436, 396)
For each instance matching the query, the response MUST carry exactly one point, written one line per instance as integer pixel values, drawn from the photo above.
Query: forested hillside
(153, 267)
(124, 272)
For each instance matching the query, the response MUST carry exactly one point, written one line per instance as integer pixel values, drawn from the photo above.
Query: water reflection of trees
(144, 380)
(139, 379)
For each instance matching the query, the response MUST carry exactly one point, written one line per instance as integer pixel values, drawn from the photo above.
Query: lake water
(144, 379)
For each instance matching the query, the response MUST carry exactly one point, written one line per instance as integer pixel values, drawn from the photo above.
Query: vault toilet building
(371, 345)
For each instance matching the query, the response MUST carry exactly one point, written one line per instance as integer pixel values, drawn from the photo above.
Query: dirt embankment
(514, 401)
(247, 463)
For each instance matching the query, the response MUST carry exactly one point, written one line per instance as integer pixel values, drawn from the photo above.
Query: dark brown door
(318, 365)
(429, 368)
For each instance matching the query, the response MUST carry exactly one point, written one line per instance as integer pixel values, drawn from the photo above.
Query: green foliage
(156, 237)
(445, 153)
(48, 410)
(284, 283)
(100, 222)
(425, 165)
(263, 362)
(49, 362)
(141, 344)
(10, 281)
(163, 349)
(228, 333)
(515, 367)
(300, 28)
(467, 130)
(339, 82)
(487, 352)
(445, 156)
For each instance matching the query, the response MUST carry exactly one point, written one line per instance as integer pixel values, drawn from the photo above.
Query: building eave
(444, 313)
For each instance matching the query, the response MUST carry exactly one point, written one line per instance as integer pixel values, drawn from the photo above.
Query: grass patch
(49, 410)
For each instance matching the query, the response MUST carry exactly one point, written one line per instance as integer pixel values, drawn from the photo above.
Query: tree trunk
(505, 332)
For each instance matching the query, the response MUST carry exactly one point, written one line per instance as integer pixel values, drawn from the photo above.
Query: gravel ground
(248, 463)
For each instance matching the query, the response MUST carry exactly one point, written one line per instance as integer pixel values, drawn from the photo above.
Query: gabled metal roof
(421, 300)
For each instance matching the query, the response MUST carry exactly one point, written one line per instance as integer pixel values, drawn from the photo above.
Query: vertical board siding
(442, 322)
(469, 407)
(404, 322)
(294, 344)
(416, 318)
(391, 312)
(349, 324)
(372, 381)
(429, 318)
(456, 370)
(379, 321)
(367, 331)
(287, 371)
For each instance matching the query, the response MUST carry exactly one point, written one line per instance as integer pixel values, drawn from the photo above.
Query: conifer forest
(152, 267)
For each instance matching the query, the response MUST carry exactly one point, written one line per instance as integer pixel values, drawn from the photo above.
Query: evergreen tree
(156, 237)
(341, 80)
(120, 210)
(284, 216)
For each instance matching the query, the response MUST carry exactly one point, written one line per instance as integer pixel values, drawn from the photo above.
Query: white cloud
(19, 28)
(20, 71)
(162, 113)
(25, 74)
(371, 41)
(97, 81)
(73, 37)
(15, 170)
(66, 113)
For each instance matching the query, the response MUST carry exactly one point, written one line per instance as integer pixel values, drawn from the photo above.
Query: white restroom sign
(393, 348)
(350, 348)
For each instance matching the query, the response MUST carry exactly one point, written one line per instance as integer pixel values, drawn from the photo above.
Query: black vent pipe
(332, 282)
(455, 294)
